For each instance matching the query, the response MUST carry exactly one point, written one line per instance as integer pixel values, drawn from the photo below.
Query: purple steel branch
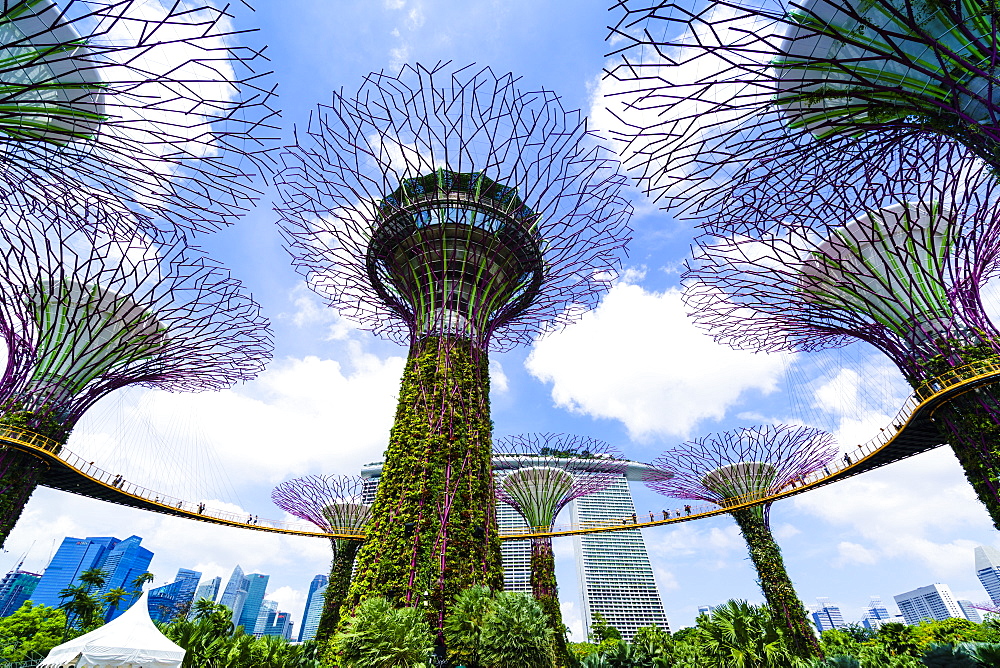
(707, 98)
(309, 497)
(139, 111)
(361, 147)
(87, 314)
(593, 464)
(791, 452)
(771, 291)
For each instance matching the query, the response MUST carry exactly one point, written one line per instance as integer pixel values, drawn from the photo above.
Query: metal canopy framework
(132, 111)
(732, 90)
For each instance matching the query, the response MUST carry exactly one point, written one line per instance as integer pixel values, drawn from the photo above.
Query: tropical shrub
(517, 634)
(378, 636)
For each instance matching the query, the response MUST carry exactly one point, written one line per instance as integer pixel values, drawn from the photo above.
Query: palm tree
(140, 580)
(113, 599)
(740, 635)
(463, 627)
(93, 578)
(517, 634)
(378, 635)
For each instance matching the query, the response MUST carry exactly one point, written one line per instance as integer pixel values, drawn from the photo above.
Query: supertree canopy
(538, 474)
(450, 211)
(902, 271)
(145, 112)
(744, 465)
(82, 315)
(738, 92)
(334, 504)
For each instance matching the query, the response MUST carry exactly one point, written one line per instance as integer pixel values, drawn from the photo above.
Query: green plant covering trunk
(433, 530)
(21, 471)
(344, 552)
(775, 583)
(545, 591)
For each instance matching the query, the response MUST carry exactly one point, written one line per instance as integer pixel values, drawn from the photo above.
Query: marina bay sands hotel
(616, 579)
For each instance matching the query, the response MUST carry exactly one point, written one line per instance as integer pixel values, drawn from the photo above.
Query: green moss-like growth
(20, 471)
(775, 583)
(337, 587)
(433, 530)
(543, 588)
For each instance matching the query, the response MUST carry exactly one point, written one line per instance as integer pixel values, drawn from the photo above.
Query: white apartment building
(931, 602)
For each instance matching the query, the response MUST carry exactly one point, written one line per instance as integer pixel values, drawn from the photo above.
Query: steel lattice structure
(732, 94)
(84, 315)
(128, 111)
(538, 474)
(448, 210)
(334, 504)
(900, 266)
(743, 465)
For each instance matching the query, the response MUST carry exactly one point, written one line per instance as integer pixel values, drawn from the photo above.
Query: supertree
(448, 210)
(735, 467)
(334, 504)
(735, 94)
(82, 315)
(139, 111)
(901, 269)
(538, 474)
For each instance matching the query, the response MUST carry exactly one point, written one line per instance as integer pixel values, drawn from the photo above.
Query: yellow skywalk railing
(49, 449)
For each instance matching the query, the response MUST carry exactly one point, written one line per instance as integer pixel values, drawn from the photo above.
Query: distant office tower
(828, 617)
(988, 570)
(208, 590)
(278, 624)
(125, 562)
(931, 602)
(16, 588)
(314, 608)
(256, 586)
(616, 578)
(121, 560)
(876, 615)
(704, 610)
(970, 612)
(174, 599)
(266, 608)
(235, 593)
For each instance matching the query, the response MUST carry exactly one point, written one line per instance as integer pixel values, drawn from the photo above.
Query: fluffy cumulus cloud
(638, 359)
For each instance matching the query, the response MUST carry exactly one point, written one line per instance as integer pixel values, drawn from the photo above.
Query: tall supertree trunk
(775, 583)
(337, 587)
(19, 475)
(545, 591)
(971, 425)
(433, 531)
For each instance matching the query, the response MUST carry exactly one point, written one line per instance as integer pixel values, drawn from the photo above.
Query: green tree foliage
(740, 635)
(517, 634)
(31, 632)
(84, 610)
(378, 636)
(463, 627)
(601, 630)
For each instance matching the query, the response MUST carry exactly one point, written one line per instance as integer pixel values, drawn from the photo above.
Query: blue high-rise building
(876, 614)
(209, 590)
(278, 624)
(125, 562)
(16, 588)
(235, 593)
(74, 556)
(313, 609)
(828, 617)
(988, 570)
(256, 586)
(171, 600)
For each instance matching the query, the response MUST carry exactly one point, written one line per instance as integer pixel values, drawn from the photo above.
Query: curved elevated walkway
(911, 433)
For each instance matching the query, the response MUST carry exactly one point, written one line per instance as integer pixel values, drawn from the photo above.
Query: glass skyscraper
(256, 586)
(314, 608)
(934, 602)
(235, 593)
(828, 617)
(121, 560)
(616, 578)
(16, 588)
(208, 590)
(171, 600)
(988, 570)
(876, 614)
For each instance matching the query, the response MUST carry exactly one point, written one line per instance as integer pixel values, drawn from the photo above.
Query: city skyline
(325, 403)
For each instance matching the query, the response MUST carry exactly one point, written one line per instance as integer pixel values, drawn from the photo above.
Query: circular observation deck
(455, 254)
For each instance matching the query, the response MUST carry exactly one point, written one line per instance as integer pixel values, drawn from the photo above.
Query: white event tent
(130, 641)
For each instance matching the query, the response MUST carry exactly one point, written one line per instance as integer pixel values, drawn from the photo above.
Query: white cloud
(498, 379)
(638, 359)
(851, 553)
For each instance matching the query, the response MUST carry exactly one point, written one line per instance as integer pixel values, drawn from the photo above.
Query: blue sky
(633, 372)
